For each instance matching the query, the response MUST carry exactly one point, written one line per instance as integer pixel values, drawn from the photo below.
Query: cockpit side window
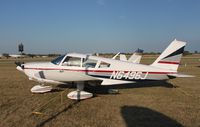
(89, 63)
(104, 65)
(72, 61)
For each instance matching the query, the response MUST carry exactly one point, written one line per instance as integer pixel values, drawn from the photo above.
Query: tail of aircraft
(171, 57)
(136, 57)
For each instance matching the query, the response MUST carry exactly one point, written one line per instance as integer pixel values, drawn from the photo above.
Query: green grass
(145, 104)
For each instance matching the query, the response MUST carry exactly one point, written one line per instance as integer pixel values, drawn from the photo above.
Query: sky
(104, 26)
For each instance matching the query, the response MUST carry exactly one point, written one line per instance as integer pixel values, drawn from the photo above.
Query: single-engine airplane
(81, 68)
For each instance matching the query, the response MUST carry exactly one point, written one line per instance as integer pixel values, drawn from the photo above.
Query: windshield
(58, 60)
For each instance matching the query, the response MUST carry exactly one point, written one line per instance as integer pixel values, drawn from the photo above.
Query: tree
(6, 55)
(185, 53)
(31, 55)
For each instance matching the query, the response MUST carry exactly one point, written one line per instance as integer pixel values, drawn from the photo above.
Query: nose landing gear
(41, 89)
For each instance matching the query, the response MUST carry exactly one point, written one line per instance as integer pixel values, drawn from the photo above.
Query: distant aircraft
(135, 58)
(16, 56)
(81, 68)
(13, 56)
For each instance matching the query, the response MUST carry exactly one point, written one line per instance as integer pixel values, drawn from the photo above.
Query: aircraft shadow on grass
(104, 89)
(99, 89)
(56, 90)
(135, 116)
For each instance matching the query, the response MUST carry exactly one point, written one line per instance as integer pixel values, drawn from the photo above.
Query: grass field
(164, 104)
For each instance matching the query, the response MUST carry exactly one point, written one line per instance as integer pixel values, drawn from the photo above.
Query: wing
(178, 75)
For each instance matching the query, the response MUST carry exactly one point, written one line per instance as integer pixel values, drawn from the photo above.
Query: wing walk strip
(103, 71)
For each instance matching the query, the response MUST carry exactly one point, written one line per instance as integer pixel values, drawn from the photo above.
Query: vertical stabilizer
(122, 57)
(136, 57)
(171, 57)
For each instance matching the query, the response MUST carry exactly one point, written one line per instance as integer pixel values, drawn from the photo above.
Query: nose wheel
(41, 89)
(79, 94)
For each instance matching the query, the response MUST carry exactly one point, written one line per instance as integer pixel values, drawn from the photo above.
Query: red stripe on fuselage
(168, 62)
(103, 71)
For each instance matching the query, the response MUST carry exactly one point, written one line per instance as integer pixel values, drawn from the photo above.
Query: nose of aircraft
(20, 66)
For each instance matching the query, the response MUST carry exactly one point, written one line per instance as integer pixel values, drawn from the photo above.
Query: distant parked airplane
(15, 56)
(135, 58)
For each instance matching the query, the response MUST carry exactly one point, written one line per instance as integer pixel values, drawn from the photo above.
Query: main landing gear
(79, 94)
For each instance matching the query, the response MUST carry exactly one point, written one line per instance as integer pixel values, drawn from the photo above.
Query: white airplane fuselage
(118, 70)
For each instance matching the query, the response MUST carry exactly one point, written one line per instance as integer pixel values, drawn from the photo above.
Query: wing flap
(179, 75)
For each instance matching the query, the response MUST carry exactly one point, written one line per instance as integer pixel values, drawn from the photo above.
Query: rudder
(171, 57)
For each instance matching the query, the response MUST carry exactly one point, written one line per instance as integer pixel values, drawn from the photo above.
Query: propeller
(19, 64)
